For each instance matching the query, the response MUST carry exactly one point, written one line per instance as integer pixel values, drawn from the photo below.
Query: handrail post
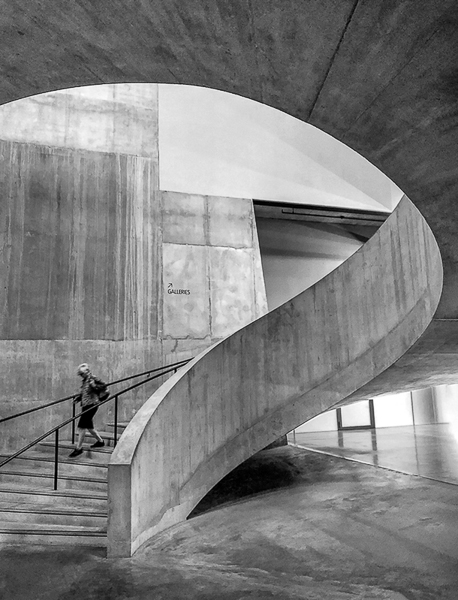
(56, 458)
(116, 422)
(73, 422)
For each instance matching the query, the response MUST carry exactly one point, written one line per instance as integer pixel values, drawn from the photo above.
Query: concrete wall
(279, 371)
(211, 270)
(89, 246)
(81, 246)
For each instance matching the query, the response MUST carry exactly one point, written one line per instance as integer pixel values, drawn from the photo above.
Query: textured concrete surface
(80, 260)
(287, 524)
(212, 272)
(85, 252)
(120, 119)
(262, 381)
(75, 269)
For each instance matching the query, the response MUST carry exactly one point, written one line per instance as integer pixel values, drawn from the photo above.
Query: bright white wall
(446, 400)
(393, 410)
(356, 415)
(215, 143)
(430, 405)
(325, 422)
(295, 255)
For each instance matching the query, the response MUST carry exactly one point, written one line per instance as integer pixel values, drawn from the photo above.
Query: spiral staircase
(380, 77)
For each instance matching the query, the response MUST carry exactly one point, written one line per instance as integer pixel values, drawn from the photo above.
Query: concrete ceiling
(379, 75)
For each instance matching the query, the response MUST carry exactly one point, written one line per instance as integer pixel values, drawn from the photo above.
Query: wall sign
(171, 290)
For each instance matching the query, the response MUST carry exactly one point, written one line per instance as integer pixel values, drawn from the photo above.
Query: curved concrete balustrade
(265, 379)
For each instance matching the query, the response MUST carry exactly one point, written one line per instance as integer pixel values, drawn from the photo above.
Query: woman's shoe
(76, 452)
(98, 444)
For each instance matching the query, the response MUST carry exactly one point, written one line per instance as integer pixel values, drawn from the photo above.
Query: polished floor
(319, 528)
(426, 450)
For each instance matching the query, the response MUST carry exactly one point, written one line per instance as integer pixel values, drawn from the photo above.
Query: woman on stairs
(93, 391)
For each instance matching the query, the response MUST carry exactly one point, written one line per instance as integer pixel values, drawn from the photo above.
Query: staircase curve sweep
(264, 380)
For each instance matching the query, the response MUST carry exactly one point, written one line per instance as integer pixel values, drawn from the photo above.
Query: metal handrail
(41, 407)
(56, 429)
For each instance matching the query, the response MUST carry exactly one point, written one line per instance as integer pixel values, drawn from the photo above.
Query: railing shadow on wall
(265, 379)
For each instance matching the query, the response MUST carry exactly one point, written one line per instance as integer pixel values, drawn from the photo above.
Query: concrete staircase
(32, 513)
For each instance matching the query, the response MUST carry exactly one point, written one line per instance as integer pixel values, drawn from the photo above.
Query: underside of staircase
(33, 513)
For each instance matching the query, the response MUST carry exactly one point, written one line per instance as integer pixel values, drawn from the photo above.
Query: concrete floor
(327, 529)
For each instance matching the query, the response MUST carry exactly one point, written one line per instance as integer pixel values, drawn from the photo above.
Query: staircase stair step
(66, 498)
(36, 479)
(91, 456)
(100, 455)
(53, 504)
(32, 513)
(121, 425)
(43, 533)
(67, 445)
(10, 539)
(44, 526)
(44, 463)
(107, 436)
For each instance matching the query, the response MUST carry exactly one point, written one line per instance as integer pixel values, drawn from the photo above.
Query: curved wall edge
(277, 372)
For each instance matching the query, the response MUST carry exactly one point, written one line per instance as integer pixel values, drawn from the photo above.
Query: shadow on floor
(266, 471)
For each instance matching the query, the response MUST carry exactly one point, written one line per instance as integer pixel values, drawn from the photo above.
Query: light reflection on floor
(426, 450)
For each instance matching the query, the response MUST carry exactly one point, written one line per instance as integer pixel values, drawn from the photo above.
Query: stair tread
(44, 509)
(6, 526)
(103, 433)
(67, 444)
(44, 475)
(107, 434)
(36, 455)
(9, 488)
